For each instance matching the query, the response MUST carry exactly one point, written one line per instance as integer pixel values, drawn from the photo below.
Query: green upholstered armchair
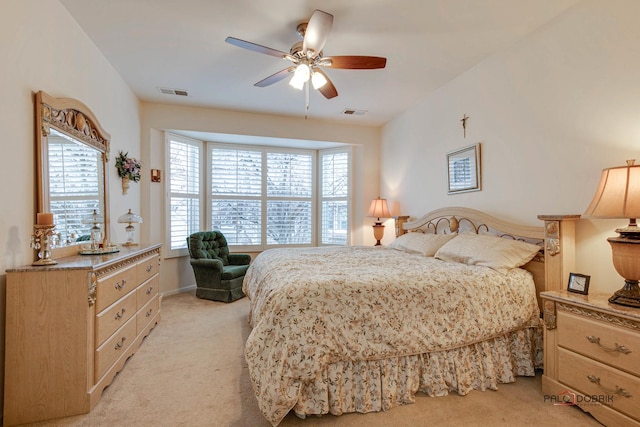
(219, 274)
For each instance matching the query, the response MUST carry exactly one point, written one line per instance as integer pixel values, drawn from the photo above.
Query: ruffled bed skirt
(373, 386)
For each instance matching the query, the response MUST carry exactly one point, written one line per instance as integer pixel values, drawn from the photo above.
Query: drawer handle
(618, 348)
(149, 312)
(120, 314)
(622, 392)
(149, 290)
(149, 268)
(120, 285)
(120, 344)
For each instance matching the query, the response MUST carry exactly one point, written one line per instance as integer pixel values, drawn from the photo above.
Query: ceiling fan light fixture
(300, 76)
(302, 73)
(296, 83)
(318, 80)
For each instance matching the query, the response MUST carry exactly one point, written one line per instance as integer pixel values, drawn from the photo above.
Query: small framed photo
(463, 169)
(578, 283)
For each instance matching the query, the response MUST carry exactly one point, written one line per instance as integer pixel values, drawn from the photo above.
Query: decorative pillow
(491, 251)
(421, 243)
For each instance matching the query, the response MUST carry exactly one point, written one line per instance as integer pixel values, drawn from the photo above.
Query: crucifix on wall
(464, 125)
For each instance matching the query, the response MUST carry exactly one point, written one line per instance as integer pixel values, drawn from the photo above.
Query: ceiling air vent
(352, 112)
(169, 91)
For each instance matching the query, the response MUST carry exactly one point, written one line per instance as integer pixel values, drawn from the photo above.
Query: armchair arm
(205, 263)
(239, 259)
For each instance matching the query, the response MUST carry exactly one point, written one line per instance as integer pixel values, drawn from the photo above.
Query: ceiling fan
(307, 57)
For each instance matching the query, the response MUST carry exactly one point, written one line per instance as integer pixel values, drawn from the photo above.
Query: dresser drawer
(114, 347)
(147, 313)
(112, 288)
(147, 268)
(609, 386)
(609, 344)
(147, 290)
(113, 317)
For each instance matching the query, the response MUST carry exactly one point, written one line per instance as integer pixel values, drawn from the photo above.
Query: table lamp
(378, 209)
(130, 218)
(618, 196)
(96, 233)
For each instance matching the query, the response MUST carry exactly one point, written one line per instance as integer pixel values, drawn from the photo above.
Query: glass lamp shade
(618, 196)
(318, 80)
(95, 232)
(130, 218)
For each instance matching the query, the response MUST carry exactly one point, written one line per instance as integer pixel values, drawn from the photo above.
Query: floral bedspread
(311, 307)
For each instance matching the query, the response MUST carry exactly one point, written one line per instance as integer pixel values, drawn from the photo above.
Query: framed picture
(463, 169)
(578, 283)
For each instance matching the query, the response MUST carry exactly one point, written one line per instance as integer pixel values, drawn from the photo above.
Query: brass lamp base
(629, 295)
(378, 233)
(625, 252)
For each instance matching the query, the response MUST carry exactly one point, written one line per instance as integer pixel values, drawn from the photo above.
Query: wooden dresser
(592, 356)
(71, 327)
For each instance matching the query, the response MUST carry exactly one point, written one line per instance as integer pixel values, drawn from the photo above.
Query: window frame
(205, 195)
(321, 198)
(169, 137)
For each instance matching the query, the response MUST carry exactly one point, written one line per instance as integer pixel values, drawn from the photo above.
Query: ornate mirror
(72, 152)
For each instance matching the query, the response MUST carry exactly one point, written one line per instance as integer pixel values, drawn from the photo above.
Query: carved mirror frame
(73, 119)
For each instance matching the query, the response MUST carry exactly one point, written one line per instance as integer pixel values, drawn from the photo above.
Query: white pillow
(491, 251)
(421, 243)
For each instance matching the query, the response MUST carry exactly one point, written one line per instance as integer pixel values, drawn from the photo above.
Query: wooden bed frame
(556, 238)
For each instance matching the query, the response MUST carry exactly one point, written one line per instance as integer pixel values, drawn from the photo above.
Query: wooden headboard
(556, 238)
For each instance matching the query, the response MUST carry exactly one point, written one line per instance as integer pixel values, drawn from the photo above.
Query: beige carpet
(190, 371)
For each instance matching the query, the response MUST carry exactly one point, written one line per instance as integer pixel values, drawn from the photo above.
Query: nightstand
(592, 356)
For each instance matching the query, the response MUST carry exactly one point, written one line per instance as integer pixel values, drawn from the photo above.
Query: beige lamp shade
(618, 194)
(379, 209)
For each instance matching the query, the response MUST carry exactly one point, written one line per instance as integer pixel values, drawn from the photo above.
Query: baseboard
(178, 291)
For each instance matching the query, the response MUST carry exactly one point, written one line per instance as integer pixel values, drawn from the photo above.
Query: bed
(363, 329)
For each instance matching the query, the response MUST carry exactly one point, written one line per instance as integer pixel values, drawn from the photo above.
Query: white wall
(551, 112)
(43, 48)
(156, 118)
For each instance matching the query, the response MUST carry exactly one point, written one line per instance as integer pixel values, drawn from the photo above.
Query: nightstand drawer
(609, 386)
(609, 344)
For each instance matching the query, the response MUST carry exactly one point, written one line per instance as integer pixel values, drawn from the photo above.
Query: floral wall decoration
(128, 170)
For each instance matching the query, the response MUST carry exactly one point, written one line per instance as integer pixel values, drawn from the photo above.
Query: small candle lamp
(96, 233)
(130, 218)
(42, 239)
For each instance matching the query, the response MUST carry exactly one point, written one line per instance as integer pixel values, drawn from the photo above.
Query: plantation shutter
(184, 191)
(334, 199)
(236, 190)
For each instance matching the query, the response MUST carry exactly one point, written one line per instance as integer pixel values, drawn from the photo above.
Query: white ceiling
(179, 44)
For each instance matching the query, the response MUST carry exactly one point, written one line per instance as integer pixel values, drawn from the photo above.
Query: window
(289, 198)
(185, 188)
(236, 194)
(258, 197)
(335, 184)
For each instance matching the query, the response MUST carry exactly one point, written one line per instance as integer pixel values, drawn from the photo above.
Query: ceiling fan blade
(354, 62)
(328, 89)
(276, 77)
(255, 47)
(317, 32)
